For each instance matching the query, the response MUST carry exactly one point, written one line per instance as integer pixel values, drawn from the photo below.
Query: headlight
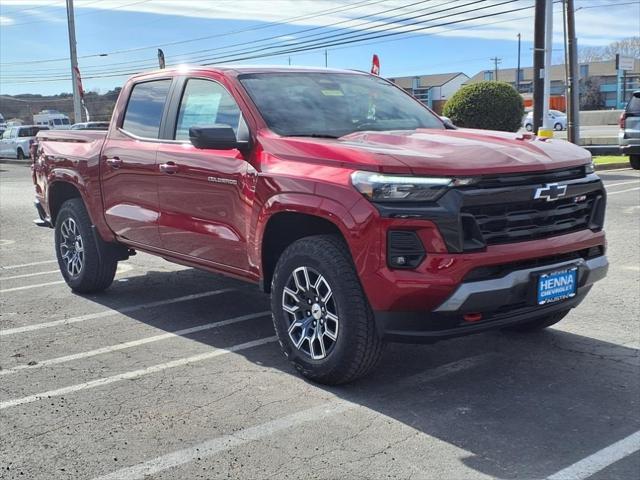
(394, 188)
(591, 168)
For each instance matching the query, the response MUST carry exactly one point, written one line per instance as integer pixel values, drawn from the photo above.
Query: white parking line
(107, 313)
(100, 382)
(28, 287)
(250, 434)
(26, 275)
(135, 343)
(9, 267)
(599, 460)
(608, 185)
(623, 191)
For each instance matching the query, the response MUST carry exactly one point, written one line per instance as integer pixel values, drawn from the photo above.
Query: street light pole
(573, 83)
(77, 108)
(548, 44)
(518, 70)
(538, 64)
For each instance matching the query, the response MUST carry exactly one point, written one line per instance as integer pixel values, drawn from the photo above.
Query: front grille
(531, 220)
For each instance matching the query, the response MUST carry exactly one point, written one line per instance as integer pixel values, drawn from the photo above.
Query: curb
(26, 163)
(612, 166)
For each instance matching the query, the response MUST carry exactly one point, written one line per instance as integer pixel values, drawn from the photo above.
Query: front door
(205, 195)
(129, 174)
(8, 142)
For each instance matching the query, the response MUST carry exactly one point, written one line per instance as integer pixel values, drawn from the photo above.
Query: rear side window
(144, 111)
(205, 103)
(634, 105)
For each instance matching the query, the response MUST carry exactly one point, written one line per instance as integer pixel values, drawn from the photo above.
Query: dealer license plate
(557, 286)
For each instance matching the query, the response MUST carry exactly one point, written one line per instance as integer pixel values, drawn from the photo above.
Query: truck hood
(433, 152)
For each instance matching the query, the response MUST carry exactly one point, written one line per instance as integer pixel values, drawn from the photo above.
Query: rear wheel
(634, 160)
(321, 314)
(528, 127)
(557, 127)
(20, 154)
(538, 323)
(87, 263)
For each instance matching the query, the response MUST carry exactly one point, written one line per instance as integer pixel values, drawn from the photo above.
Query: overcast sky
(34, 44)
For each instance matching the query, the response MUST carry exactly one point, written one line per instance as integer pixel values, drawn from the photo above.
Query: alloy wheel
(71, 247)
(309, 305)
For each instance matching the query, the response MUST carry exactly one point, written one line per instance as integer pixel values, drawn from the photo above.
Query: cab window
(145, 108)
(206, 103)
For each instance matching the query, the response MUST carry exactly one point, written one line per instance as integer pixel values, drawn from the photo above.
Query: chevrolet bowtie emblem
(550, 192)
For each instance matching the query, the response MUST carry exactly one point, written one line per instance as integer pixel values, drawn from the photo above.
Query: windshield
(333, 104)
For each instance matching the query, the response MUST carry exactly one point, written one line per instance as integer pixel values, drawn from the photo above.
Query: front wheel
(528, 127)
(539, 323)
(634, 160)
(557, 127)
(321, 315)
(20, 154)
(86, 262)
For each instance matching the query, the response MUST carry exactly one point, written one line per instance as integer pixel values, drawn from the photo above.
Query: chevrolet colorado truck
(364, 216)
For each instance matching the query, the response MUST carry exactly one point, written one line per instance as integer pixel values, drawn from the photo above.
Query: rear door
(205, 195)
(632, 114)
(129, 174)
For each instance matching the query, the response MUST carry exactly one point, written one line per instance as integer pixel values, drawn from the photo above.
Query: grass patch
(607, 159)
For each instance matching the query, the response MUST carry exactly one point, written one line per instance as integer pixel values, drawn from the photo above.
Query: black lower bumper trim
(429, 327)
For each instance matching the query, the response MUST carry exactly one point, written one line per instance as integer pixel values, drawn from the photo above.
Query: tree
(591, 97)
(486, 105)
(627, 47)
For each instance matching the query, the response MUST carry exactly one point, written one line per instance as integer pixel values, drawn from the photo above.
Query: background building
(601, 84)
(432, 90)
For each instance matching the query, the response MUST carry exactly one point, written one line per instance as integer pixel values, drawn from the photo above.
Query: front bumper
(502, 301)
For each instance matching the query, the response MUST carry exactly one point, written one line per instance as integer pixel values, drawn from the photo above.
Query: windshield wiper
(314, 135)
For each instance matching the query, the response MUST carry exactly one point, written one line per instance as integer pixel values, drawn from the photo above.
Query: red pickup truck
(365, 216)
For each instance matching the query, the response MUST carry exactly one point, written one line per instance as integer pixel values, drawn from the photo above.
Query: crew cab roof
(240, 69)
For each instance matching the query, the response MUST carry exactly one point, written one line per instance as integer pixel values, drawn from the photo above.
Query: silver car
(16, 141)
(629, 135)
(557, 119)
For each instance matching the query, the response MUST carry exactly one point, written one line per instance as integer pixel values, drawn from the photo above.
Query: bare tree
(628, 47)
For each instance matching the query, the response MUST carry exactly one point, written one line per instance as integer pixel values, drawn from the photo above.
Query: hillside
(24, 106)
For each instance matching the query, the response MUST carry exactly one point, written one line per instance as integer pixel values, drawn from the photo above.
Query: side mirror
(448, 124)
(216, 137)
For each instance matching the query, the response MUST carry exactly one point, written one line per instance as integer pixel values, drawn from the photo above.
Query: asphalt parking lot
(173, 373)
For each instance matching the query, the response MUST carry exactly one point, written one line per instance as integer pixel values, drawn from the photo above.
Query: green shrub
(486, 105)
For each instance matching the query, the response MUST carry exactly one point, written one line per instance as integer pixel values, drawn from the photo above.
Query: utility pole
(77, 108)
(326, 58)
(548, 52)
(538, 64)
(573, 80)
(289, 61)
(518, 70)
(495, 61)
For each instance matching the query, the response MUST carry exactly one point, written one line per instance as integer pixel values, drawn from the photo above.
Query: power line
(319, 42)
(259, 26)
(151, 63)
(334, 43)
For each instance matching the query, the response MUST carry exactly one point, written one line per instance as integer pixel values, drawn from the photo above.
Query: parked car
(16, 141)
(629, 135)
(340, 195)
(557, 118)
(3, 124)
(90, 126)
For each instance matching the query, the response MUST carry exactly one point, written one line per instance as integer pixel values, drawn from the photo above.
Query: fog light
(472, 317)
(400, 261)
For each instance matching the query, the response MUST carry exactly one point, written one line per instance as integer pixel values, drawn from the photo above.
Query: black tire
(634, 160)
(20, 154)
(558, 127)
(99, 262)
(357, 347)
(528, 127)
(539, 323)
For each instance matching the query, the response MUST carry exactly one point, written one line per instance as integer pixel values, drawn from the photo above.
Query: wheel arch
(58, 193)
(284, 228)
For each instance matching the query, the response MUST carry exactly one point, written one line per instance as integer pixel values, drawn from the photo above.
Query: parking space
(174, 373)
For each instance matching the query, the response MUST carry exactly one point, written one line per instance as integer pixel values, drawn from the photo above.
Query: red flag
(79, 80)
(375, 65)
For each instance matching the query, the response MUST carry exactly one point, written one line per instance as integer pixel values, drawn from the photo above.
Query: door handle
(114, 162)
(169, 168)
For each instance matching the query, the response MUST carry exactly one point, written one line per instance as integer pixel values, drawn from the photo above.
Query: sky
(116, 38)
